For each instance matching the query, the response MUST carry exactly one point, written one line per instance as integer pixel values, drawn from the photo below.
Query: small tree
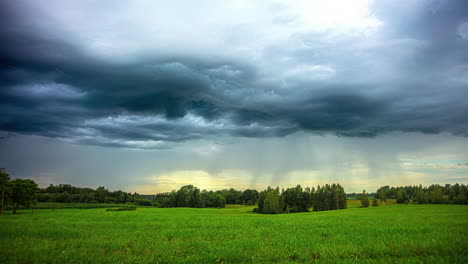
(364, 199)
(22, 193)
(375, 202)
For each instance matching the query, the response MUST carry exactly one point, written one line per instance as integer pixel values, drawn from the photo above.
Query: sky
(147, 96)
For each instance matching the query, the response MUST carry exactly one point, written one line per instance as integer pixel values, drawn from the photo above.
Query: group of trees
(24, 192)
(364, 198)
(66, 193)
(297, 199)
(191, 196)
(17, 192)
(433, 194)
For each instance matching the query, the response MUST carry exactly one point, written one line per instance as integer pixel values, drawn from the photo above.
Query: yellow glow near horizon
(355, 182)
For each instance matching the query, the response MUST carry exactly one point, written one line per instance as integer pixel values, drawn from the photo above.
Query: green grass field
(384, 234)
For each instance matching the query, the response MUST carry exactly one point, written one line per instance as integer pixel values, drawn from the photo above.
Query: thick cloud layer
(153, 74)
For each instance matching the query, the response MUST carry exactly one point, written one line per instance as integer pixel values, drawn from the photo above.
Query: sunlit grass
(398, 233)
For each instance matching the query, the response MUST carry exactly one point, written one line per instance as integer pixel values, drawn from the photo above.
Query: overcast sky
(147, 96)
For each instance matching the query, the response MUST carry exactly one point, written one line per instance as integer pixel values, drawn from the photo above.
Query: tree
(261, 199)
(342, 201)
(4, 182)
(197, 198)
(232, 196)
(101, 194)
(22, 193)
(188, 196)
(382, 194)
(219, 201)
(296, 200)
(436, 195)
(319, 201)
(375, 202)
(249, 197)
(272, 203)
(364, 199)
(420, 196)
(402, 196)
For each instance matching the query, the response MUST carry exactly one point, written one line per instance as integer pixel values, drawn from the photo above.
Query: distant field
(398, 233)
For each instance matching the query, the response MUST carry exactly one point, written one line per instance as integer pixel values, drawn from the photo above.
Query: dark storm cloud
(405, 79)
(435, 23)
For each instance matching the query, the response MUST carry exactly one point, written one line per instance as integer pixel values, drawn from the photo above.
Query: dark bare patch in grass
(125, 208)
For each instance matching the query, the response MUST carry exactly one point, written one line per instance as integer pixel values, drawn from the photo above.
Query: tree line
(191, 196)
(186, 196)
(25, 192)
(297, 199)
(433, 194)
(66, 193)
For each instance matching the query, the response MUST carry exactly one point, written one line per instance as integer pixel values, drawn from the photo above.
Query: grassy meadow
(384, 234)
